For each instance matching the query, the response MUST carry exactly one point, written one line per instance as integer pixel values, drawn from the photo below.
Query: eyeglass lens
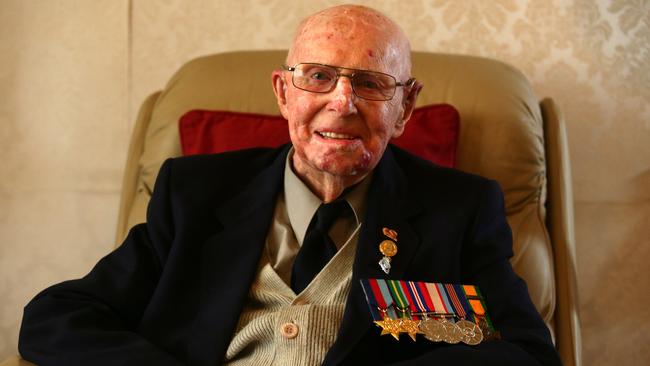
(322, 78)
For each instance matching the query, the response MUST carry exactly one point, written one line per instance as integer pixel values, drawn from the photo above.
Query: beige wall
(63, 135)
(72, 74)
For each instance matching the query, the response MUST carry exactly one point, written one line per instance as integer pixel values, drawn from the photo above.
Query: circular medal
(433, 330)
(453, 334)
(388, 248)
(472, 334)
(488, 333)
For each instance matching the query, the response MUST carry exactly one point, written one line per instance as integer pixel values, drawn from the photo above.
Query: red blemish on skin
(371, 54)
(330, 35)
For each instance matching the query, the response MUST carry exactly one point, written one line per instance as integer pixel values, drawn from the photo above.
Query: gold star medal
(398, 290)
(382, 307)
(411, 327)
(390, 326)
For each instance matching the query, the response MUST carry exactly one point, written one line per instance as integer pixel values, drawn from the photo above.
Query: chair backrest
(505, 135)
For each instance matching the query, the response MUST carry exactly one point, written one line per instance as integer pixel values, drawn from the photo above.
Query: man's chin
(353, 168)
(339, 163)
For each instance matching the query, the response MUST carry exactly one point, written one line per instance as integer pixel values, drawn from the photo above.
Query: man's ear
(280, 91)
(408, 105)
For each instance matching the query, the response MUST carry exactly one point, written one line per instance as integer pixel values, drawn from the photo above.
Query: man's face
(338, 133)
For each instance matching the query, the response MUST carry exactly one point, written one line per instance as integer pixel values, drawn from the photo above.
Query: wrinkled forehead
(358, 36)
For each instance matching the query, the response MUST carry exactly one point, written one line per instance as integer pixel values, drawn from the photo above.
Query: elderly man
(256, 257)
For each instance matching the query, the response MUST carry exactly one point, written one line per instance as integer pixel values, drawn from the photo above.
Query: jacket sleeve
(94, 320)
(525, 339)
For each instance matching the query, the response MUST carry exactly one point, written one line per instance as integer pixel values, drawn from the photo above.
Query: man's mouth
(335, 136)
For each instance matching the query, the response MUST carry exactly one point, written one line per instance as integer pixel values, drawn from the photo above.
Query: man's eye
(321, 76)
(368, 83)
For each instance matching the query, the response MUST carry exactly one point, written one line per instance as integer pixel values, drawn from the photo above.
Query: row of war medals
(440, 312)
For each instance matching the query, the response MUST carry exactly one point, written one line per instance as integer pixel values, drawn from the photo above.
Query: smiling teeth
(332, 135)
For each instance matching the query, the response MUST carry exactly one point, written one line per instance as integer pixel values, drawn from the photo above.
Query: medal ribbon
(477, 303)
(373, 302)
(463, 300)
(416, 304)
(384, 293)
(445, 298)
(399, 296)
(457, 300)
(423, 294)
(438, 298)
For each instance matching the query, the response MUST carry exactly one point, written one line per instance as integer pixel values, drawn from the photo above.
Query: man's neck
(327, 187)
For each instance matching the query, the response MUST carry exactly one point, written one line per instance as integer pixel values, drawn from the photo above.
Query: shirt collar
(302, 203)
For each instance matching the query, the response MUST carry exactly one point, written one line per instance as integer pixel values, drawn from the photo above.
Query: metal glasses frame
(407, 83)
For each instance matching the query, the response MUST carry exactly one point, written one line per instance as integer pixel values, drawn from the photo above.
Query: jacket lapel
(230, 260)
(388, 205)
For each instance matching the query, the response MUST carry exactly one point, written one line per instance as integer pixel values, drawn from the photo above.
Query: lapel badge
(388, 248)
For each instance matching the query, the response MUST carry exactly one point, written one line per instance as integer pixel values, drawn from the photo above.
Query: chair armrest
(132, 167)
(560, 222)
(16, 361)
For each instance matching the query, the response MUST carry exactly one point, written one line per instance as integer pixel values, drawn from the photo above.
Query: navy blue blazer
(173, 292)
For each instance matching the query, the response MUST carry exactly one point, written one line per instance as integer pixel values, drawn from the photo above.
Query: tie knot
(327, 213)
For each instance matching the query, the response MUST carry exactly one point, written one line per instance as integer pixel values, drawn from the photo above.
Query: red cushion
(431, 133)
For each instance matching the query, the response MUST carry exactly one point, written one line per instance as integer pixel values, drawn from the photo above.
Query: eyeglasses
(370, 85)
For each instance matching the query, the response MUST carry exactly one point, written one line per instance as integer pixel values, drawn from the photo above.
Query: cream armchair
(506, 134)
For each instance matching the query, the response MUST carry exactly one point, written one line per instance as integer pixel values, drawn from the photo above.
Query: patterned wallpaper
(588, 55)
(592, 56)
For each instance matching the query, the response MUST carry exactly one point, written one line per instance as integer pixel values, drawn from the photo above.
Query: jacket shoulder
(223, 174)
(235, 161)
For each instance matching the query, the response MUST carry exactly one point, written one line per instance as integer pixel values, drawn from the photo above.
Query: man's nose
(343, 96)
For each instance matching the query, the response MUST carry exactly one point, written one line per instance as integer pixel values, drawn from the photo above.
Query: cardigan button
(289, 330)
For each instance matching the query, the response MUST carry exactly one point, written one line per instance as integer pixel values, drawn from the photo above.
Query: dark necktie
(317, 249)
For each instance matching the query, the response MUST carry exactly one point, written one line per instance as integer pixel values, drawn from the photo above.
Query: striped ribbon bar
(373, 303)
(416, 301)
(439, 298)
(400, 298)
(424, 296)
(477, 303)
(457, 296)
(379, 299)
